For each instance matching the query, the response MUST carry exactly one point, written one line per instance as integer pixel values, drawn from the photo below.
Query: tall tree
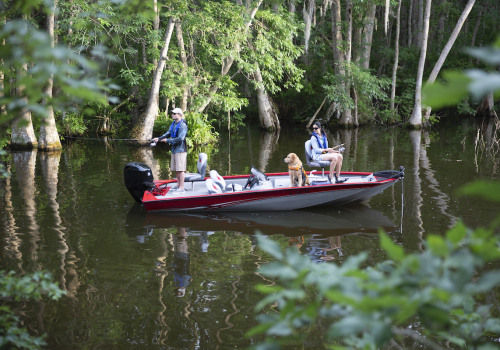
(183, 57)
(49, 137)
(23, 134)
(143, 130)
(416, 117)
(447, 49)
(340, 58)
(227, 62)
(396, 57)
(366, 41)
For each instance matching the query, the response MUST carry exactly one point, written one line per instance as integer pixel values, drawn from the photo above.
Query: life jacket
(325, 144)
(174, 128)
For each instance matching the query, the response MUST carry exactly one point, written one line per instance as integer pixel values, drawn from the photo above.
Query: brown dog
(295, 170)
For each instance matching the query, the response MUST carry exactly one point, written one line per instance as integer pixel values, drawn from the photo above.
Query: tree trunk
(416, 117)
(308, 13)
(339, 56)
(49, 137)
(476, 26)
(396, 57)
(347, 120)
(487, 107)
(23, 134)
(447, 49)
(180, 41)
(420, 22)
(410, 20)
(3, 108)
(143, 130)
(156, 29)
(309, 123)
(268, 115)
(366, 42)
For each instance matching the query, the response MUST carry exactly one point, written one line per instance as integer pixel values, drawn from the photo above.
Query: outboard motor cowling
(138, 179)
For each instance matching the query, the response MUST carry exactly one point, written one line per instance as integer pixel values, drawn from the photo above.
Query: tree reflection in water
(70, 214)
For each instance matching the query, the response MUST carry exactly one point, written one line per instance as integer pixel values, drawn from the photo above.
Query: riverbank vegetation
(444, 296)
(112, 67)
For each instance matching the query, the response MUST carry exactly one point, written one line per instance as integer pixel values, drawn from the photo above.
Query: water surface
(177, 281)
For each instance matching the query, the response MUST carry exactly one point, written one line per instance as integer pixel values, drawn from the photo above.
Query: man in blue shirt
(176, 137)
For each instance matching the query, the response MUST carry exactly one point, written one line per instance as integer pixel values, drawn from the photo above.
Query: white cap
(177, 110)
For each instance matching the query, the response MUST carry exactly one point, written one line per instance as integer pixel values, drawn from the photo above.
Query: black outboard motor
(138, 179)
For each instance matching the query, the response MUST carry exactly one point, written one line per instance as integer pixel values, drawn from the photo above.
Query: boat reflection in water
(320, 222)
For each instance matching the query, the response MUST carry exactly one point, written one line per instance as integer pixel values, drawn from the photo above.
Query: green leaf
(276, 269)
(449, 93)
(489, 55)
(489, 190)
(437, 245)
(348, 326)
(394, 251)
(486, 282)
(280, 329)
(269, 246)
(268, 289)
(456, 234)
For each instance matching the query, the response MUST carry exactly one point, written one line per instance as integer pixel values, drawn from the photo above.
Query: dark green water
(69, 213)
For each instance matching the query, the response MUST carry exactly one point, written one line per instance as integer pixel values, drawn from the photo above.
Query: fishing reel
(152, 144)
(341, 149)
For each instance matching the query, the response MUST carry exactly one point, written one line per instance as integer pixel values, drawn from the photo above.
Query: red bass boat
(254, 192)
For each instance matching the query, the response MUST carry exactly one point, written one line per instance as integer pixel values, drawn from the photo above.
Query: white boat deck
(199, 188)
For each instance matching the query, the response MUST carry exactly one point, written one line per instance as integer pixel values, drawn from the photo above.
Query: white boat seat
(313, 163)
(212, 187)
(201, 167)
(219, 181)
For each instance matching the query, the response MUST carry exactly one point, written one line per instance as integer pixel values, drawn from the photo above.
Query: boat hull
(360, 187)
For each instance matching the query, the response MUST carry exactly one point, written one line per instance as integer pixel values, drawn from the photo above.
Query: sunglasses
(315, 128)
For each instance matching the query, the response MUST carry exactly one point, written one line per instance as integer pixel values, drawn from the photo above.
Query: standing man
(176, 137)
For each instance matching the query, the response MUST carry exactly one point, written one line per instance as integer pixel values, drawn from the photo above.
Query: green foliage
(15, 289)
(71, 124)
(458, 85)
(371, 90)
(200, 129)
(3, 171)
(31, 61)
(431, 296)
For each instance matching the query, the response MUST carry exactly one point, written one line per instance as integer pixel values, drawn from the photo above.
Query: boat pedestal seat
(201, 166)
(317, 177)
(314, 163)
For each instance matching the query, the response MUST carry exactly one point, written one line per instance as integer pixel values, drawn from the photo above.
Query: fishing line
(102, 139)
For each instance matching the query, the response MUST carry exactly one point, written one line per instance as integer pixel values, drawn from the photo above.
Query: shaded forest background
(117, 67)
